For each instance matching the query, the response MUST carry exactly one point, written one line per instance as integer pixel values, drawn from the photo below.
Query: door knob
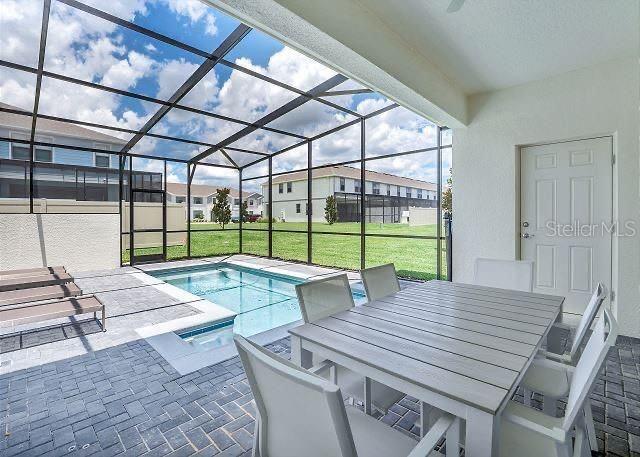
(527, 235)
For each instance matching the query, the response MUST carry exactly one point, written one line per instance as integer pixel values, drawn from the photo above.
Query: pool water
(262, 300)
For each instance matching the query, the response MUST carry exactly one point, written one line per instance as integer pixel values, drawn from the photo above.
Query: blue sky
(85, 47)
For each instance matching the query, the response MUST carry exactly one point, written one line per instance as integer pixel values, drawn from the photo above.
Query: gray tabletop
(469, 343)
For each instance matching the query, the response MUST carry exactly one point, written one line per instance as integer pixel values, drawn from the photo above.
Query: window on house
(419, 193)
(180, 199)
(210, 199)
(376, 188)
(398, 191)
(102, 160)
(280, 188)
(306, 208)
(43, 154)
(23, 152)
(357, 185)
(289, 187)
(388, 189)
(198, 214)
(20, 152)
(408, 192)
(197, 200)
(250, 202)
(236, 201)
(342, 184)
(297, 208)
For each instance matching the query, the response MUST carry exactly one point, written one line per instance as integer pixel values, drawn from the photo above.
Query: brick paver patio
(128, 400)
(70, 389)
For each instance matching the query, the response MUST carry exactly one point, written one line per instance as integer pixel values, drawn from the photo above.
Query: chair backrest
(380, 281)
(590, 313)
(323, 297)
(586, 371)
(504, 274)
(299, 413)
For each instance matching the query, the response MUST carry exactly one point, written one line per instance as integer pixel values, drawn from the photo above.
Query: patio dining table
(460, 348)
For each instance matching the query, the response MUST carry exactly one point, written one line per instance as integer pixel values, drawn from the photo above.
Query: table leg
(367, 396)
(482, 434)
(453, 439)
(300, 356)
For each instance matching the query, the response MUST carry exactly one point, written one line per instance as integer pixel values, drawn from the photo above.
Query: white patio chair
(552, 383)
(528, 432)
(322, 298)
(380, 281)
(589, 315)
(301, 414)
(504, 274)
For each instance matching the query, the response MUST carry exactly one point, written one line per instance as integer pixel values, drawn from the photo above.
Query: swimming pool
(262, 300)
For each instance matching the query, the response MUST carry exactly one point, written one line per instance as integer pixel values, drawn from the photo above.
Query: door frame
(146, 258)
(613, 280)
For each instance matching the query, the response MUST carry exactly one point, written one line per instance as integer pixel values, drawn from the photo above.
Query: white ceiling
(493, 44)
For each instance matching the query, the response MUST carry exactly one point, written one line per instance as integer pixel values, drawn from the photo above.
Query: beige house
(389, 198)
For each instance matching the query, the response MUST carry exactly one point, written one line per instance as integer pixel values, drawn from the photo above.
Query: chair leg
(550, 406)
(255, 452)
(526, 393)
(104, 319)
(589, 426)
(581, 442)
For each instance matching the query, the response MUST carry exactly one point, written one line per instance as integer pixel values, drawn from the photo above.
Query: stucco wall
(582, 103)
(78, 241)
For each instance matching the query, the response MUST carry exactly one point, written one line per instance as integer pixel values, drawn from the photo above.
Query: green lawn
(346, 227)
(414, 258)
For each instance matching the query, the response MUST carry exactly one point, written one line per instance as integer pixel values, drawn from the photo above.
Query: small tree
(331, 210)
(447, 195)
(221, 211)
(244, 211)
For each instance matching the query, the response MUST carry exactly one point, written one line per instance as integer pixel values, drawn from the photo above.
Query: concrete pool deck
(139, 306)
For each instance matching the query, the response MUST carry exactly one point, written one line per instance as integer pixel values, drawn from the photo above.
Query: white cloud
(20, 23)
(17, 88)
(125, 72)
(195, 10)
(175, 72)
(216, 176)
(150, 47)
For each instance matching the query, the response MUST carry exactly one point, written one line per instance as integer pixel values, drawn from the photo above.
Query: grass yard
(414, 258)
(344, 227)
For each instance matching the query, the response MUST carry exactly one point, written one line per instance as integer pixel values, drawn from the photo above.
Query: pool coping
(186, 356)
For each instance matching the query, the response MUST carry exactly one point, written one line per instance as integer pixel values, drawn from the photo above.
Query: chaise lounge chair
(27, 282)
(38, 312)
(15, 297)
(8, 274)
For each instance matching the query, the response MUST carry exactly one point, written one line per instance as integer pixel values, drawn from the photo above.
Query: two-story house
(61, 170)
(203, 196)
(387, 196)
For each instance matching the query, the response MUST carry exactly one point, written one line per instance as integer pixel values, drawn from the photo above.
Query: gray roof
(343, 171)
(46, 126)
(200, 190)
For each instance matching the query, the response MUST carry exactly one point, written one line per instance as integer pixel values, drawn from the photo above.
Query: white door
(566, 217)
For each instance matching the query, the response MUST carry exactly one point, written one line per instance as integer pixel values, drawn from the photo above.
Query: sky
(86, 47)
